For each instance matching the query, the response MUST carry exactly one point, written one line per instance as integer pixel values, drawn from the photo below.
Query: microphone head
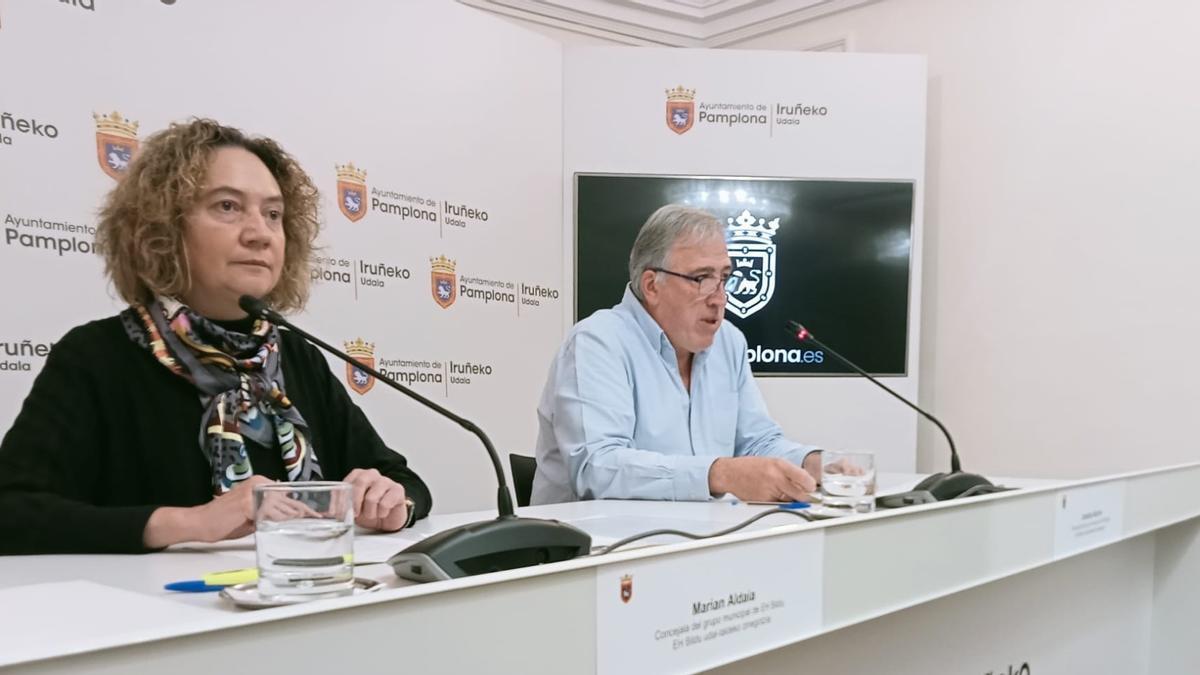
(800, 332)
(254, 307)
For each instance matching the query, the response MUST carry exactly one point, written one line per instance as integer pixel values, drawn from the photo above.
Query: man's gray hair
(666, 226)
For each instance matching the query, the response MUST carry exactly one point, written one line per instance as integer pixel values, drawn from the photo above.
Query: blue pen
(192, 586)
(778, 505)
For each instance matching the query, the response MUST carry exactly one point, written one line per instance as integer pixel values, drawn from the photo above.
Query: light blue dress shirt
(615, 421)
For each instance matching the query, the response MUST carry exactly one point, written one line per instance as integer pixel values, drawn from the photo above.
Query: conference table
(1059, 576)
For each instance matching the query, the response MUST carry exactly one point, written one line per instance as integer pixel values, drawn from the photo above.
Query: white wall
(1061, 237)
(562, 31)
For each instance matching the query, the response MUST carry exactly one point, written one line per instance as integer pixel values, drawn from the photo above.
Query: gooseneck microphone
(938, 486)
(508, 542)
(801, 334)
(255, 307)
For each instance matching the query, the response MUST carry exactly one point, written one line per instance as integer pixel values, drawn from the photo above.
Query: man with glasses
(654, 398)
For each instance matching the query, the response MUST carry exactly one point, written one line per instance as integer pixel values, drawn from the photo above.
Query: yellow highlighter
(215, 581)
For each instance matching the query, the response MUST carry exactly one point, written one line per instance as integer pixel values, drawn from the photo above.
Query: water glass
(304, 538)
(848, 480)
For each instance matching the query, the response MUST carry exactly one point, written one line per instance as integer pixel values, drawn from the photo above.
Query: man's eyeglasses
(706, 283)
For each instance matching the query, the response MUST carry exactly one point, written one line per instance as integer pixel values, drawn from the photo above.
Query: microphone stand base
(941, 487)
(490, 546)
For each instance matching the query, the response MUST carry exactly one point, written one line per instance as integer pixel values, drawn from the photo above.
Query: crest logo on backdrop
(116, 141)
(681, 109)
(351, 191)
(364, 352)
(752, 252)
(626, 588)
(442, 281)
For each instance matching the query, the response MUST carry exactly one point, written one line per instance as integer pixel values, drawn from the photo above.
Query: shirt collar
(631, 305)
(653, 332)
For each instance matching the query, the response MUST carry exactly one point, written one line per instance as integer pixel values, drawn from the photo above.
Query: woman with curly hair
(151, 427)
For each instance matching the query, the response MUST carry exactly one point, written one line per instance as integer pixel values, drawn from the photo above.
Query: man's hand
(767, 479)
(378, 500)
(812, 464)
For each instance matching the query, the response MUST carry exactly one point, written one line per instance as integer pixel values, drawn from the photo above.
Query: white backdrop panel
(874, 128)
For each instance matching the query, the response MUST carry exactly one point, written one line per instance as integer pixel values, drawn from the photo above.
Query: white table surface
(60, 605)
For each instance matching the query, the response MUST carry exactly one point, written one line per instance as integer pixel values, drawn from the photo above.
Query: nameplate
(697, 609)
(1086, 517)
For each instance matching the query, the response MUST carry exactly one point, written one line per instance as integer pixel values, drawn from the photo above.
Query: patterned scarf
(241, 388)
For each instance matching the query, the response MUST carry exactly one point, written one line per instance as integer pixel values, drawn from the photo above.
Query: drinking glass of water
(848, 480)
(304, 538)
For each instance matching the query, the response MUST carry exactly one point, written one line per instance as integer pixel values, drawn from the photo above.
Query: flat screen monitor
(834, 255)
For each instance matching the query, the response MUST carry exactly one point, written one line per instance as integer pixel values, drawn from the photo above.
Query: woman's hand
(227, 516)
(378, 500)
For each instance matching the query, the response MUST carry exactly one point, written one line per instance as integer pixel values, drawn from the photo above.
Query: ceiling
(674, 23)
